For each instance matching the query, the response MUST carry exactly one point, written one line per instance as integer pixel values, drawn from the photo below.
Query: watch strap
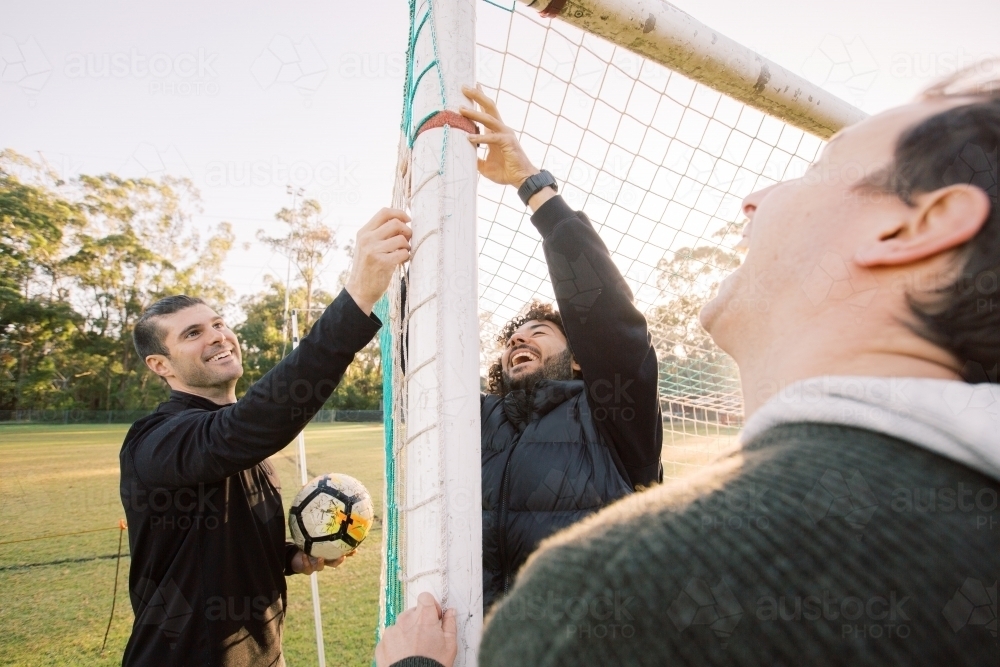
(533, 184)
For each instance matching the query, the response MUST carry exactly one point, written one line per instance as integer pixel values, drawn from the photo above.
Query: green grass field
(64, 479)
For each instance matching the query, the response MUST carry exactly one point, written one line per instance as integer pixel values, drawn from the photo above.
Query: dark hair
(146, 336)
(537, 310)
(958, 146)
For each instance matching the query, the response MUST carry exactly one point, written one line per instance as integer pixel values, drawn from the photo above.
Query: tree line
(80, 259)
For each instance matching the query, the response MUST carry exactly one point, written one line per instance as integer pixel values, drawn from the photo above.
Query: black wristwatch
(542, 179)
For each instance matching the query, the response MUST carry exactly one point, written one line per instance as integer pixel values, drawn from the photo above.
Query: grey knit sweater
(814, 544)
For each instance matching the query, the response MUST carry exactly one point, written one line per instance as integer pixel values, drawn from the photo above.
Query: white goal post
(439, 499)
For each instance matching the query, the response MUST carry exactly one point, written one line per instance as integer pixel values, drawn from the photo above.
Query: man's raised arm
(608, 338)
(204, 446)
(607, 335)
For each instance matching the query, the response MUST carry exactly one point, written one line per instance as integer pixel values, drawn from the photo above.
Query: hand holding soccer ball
(305, 564)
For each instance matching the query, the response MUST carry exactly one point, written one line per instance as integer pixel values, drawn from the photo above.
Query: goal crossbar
(659, 31)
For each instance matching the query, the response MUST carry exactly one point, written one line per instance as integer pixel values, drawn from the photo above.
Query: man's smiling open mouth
(225, 354)
(521, 357)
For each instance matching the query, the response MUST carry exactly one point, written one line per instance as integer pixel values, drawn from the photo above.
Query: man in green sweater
(857, 523)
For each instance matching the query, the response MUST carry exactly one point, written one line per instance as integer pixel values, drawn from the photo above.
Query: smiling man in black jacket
(572, 421)
(206, 523)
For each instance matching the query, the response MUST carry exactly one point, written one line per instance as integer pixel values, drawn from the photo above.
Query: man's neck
(800, 355)
(225, 395)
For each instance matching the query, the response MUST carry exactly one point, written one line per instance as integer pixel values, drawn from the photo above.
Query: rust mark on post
(765, 76)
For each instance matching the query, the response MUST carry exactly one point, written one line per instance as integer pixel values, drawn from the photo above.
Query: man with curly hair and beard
(571, 421)
(560, 366)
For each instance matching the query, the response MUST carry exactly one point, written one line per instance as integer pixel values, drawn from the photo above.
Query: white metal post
(442, 511)
(658, 30)
(304, 478)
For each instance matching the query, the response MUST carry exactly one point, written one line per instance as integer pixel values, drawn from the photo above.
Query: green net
(391, 596)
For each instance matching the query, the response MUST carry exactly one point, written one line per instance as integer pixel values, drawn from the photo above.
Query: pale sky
(247, 97)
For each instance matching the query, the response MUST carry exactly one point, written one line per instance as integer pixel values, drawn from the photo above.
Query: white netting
(660, 164)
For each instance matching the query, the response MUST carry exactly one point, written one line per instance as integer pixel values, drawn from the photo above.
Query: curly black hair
(537, 310)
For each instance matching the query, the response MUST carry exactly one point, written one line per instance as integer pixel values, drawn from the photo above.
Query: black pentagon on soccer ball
(323, 488)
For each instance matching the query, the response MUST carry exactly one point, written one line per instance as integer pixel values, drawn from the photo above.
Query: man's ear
(160, 365)
(575, 366)
(940, 221)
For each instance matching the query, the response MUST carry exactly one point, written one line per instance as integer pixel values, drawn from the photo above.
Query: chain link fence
(129, 416)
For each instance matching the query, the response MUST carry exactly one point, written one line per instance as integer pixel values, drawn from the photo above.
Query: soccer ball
(331, 515)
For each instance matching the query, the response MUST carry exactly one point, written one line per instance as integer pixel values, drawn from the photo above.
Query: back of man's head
(959, 146)
(147, 336)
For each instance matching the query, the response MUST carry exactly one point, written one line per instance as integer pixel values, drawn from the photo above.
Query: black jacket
(206, 523)
(564, 452)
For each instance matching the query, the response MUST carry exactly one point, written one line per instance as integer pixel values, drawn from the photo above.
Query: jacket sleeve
(208, 446)
(290, 550)
(608, 337)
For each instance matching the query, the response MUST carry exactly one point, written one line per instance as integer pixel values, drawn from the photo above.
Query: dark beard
(204, 378)
(559, 367)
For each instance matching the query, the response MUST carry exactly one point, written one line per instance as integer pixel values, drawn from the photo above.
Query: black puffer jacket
(569, 448)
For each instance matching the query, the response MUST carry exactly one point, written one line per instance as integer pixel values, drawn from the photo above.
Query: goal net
(658, 160)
